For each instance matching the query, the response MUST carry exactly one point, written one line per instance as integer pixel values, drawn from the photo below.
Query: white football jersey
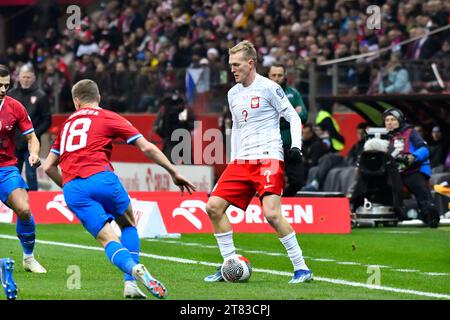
(256, 111)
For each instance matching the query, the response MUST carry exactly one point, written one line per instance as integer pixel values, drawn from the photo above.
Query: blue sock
(26, 232)
(130, 240)
(120, 256)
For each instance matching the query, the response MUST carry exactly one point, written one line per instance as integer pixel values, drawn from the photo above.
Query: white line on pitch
(274, 272)
(350, 263)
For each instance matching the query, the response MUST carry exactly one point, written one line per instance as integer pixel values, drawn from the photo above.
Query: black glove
(295, 155)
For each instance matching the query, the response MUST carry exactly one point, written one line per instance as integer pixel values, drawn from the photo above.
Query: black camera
(173, 102)
(403, 159)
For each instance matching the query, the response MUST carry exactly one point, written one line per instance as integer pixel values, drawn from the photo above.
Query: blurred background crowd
(138, 50)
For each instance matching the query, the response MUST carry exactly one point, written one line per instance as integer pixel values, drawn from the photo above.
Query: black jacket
(36, 102)
(313, 149)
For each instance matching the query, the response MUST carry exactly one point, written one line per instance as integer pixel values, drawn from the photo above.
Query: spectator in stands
(173, 114)
(216, 68)
(424, 48)
(375, 79)
(173, 32)
(226, 123)
(330, 128)
(87, 45)
(313, 148)
(442, 61)
(356, 150)
(148, 89)
(395, 78)
(103, 79)
(411, 152)
(327, 162)
(293, 170)
(421, 131)
(438, 150)
(53, 82)
(360, 78)
(121, 87)
(36, 102)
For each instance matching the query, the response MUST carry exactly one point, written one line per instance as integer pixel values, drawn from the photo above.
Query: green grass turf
(422, 249)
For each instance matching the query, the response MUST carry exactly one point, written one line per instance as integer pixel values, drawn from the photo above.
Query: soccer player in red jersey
(93, 192)
(13, 189)
(257, 161)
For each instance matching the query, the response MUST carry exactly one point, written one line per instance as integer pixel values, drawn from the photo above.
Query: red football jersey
(84, 143)
(12, 115)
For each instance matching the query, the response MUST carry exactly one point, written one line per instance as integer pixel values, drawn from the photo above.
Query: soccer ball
(236, 268)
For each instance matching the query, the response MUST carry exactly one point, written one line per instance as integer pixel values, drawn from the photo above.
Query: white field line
(350, 263)
(274, 272)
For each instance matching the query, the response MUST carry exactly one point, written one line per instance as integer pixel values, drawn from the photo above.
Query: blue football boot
(302, 276)
(6, 275)
(216, 277)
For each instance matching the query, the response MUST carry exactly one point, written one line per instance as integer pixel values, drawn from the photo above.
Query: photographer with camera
(173, 114)
(411, 153)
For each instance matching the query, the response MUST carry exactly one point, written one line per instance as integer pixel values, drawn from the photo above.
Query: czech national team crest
(254, 103)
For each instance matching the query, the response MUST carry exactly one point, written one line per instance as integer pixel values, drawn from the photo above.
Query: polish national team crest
(280, 93)
(254, 103)
(33, 99)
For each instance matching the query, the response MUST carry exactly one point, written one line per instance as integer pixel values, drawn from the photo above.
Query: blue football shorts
(10, 179)
(96, 200)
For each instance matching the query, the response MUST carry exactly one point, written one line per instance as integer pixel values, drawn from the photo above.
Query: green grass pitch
(402, 263)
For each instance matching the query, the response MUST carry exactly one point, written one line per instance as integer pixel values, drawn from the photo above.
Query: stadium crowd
(136, 50)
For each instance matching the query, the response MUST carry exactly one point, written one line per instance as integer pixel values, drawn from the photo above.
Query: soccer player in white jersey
(256, 165)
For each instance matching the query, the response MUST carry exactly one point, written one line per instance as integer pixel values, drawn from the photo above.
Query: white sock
(226, 244)
(27, 255)
(294, 252)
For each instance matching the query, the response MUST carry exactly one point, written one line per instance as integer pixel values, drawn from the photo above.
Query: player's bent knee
(23, 214)
(273, 218)
(213, 210)
(106, 235)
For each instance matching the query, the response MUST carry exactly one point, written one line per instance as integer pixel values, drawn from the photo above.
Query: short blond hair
(85, 90)
(247, 48)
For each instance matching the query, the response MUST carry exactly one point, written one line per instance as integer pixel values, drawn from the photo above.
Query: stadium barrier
(146, 177)
(161, 212)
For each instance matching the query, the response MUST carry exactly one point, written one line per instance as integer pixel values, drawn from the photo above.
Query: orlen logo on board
(190, 209)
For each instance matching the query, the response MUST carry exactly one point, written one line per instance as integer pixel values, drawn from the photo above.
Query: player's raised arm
(33, 148)
(51, 168)
(153, 153)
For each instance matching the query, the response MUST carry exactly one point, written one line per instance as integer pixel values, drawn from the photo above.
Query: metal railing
(312, 80)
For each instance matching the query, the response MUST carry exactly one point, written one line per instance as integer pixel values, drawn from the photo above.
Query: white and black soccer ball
(236, 268)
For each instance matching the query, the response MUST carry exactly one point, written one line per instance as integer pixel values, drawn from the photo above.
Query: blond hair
(247, 48)
(85, 90)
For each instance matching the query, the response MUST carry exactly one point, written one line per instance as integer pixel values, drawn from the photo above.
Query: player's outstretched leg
(26, 232)
(132, 291)
(301, 270)
(18, 201)
(216, 211)
(121, 258)
(155, 287)
(272, 212)
(227, 249)
(130, 240)
(6, 275)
